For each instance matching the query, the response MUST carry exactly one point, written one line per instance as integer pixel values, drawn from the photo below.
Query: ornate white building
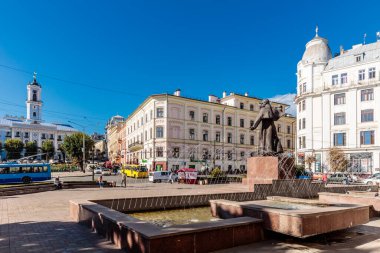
(168, 132)
(338, 102)
(32, 128)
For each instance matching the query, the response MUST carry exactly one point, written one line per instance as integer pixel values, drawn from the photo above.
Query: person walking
(100, 180)
(124, 180)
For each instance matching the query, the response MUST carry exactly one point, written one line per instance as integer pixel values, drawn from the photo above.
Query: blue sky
(98, 58)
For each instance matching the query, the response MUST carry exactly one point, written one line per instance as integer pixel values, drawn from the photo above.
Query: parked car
(317, 176)
(340, 177)
(159, 176)
(98, 170)
(106, 172)
(374, 179)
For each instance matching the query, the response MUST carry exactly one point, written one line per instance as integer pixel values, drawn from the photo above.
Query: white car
(98, 170)
(159, 176)
(106, 172)
(375, 179)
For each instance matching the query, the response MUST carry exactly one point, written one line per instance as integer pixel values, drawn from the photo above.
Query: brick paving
(40, 222)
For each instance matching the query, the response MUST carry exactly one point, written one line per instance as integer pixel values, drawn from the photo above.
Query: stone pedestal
(264, 169)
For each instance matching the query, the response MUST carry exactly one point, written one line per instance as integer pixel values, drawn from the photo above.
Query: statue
(269, 142)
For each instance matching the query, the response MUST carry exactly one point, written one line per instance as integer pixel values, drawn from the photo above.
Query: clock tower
(33, 102)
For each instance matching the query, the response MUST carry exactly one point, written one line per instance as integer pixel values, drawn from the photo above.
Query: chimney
(246, 94)
(177, 93)
(224, 94)
(212, 98)
(341, 50)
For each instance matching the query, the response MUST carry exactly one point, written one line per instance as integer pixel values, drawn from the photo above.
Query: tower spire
(316, 31)
(35, 76)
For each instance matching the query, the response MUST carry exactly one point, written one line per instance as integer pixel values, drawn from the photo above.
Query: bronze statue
(269, 142)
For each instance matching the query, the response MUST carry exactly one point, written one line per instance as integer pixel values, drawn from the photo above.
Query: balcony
(135, 146)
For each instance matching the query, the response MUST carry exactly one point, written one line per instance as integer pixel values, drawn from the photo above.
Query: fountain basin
(355, 197)
(135, 235)
(295, 219)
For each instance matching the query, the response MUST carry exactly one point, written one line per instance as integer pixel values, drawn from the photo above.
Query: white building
(338, 102)
(168, 132)
(32, 128)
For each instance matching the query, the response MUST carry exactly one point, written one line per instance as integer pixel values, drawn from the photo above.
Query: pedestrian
(171, 177)
(100, 180)
(57, 183)
(124, 180)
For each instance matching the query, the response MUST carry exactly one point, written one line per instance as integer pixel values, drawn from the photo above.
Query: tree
(31, 148)
(48, 148)
(14, 148)
(309, 160)
(337, 159)
(72, 145)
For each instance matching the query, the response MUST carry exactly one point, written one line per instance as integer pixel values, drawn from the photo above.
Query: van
(159, 176)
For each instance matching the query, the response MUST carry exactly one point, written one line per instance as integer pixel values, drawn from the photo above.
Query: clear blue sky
(116, 53)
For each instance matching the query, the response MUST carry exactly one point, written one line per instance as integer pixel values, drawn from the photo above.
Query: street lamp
(83, 148)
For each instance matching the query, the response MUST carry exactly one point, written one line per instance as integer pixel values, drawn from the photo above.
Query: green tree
(48, 148)
(72, 145)
(31, 148)
(14, 148)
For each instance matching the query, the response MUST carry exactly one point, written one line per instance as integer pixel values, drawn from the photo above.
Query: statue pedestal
(264, 169)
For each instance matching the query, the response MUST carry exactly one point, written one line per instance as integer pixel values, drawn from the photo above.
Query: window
(288, 129)
(371, 73)
(367, 115)
(51, 136)
(217, 154)
(358, 58)
(340, 99)
(34, 95)
(229, 155)
(160, 112)
(205, 135)
(361, 75)
(160, 152)
(242, 139)
(303, 142)
(242, 154)
(300, 88)
(241, 122)
(340, 139)
(303, 123)
(217, 136)
(34, 114)
(334, 80)
(241, 105)
(366, 95)
(299, 124)
(367, 137)
(205, 117)
(288, 144)
(151, 114)
(252, 140)
(159, 132)
(343, 78)
(304, 87)
(192, 115)
(229, 121)
(229, 137)
(251, 108)
(251, 122)
(340, 118)
(278, 128)
(205, 154)
(151, 133)
(303, 105)
(43, 136)
(217, 119)
(191, 134)
(176, 152)
(146, 135)
(299, 106)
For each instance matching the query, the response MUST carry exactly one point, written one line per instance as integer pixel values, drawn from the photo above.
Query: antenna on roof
(364, 36)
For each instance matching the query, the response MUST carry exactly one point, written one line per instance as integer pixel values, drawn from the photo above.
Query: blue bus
(24, 173)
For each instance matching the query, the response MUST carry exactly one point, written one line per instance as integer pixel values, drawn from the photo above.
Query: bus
(136, 171)
(24, 173)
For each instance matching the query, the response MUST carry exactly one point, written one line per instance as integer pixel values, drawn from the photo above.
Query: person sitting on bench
(57, 183)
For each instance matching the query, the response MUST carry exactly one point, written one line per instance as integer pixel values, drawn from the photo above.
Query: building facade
(114, 128)
(338, 101)
(32, 128)
(168, 132)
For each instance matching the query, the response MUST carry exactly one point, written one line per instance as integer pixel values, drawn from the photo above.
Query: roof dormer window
(358, 58)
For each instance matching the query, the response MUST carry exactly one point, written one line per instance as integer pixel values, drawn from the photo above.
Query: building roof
(369, 52)
(27, 124)
(317, 50)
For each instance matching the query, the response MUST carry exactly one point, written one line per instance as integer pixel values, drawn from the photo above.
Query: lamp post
(83, 148)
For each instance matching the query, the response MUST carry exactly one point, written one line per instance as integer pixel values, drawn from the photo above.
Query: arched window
(34, 114)
(34, 95)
